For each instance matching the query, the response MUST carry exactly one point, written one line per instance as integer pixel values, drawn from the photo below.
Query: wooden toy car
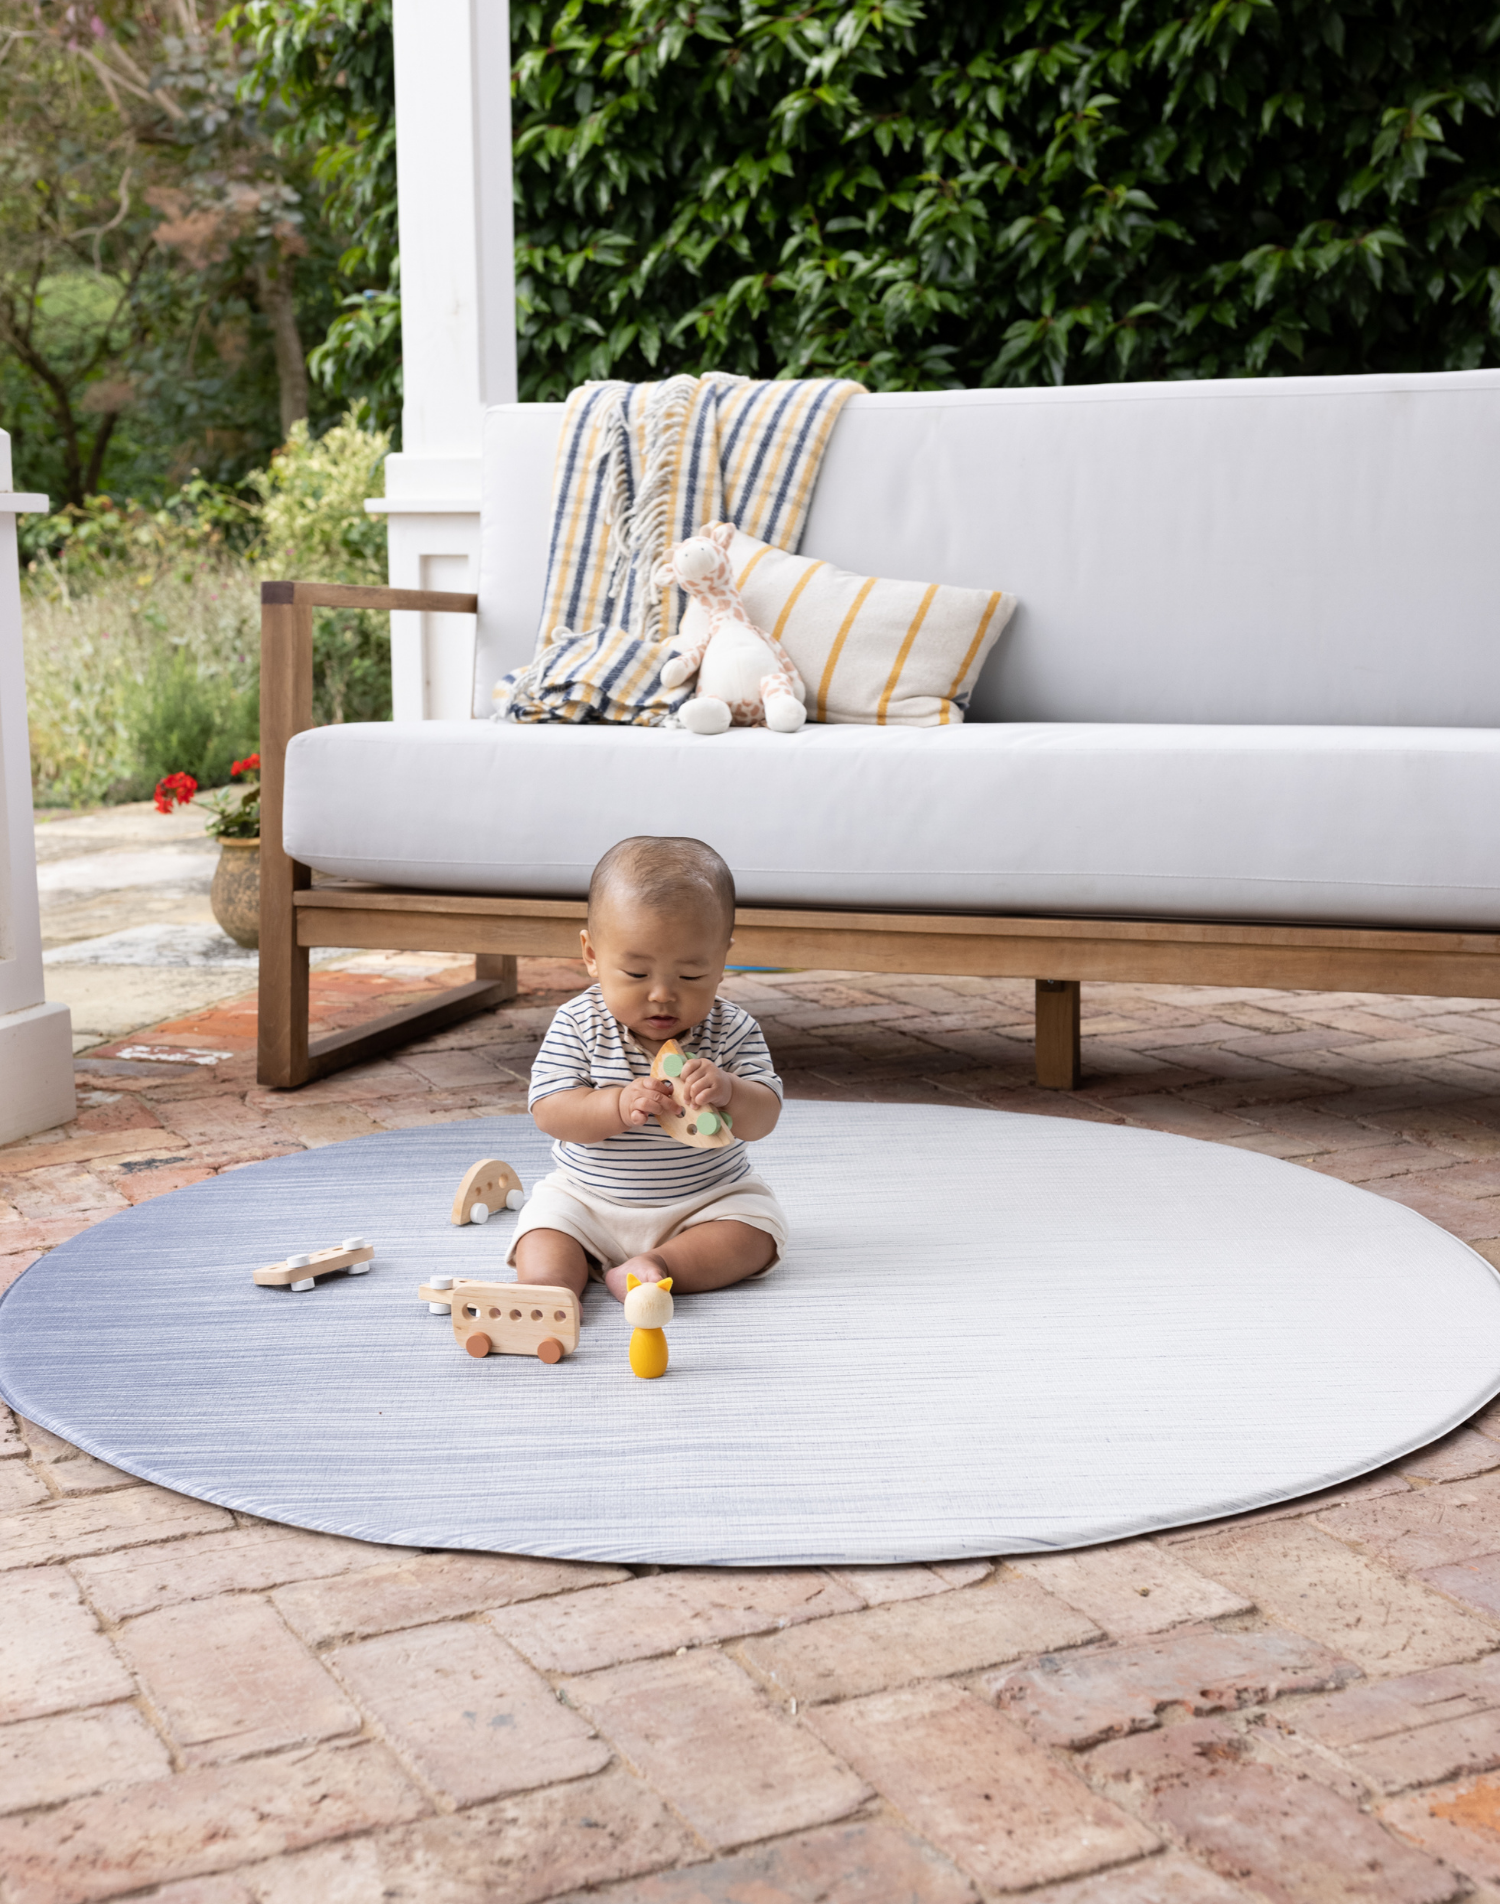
(707, 1127)
(488, 1186)
(507, 1318)
(301, 1272)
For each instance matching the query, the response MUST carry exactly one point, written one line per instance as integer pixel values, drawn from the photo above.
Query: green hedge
(1008, 193)
(929, 192)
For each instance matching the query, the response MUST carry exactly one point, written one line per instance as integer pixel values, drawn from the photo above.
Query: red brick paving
(1299, 1705)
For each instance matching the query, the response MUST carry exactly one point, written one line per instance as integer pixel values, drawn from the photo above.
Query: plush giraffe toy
(745, 677)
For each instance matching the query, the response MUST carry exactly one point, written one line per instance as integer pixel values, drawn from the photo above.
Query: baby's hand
(705, 1083)
(640, 1098)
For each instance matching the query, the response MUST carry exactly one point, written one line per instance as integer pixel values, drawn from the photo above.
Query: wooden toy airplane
(301, 1272)
(703, 1128)
(507, 1318)
(488, 1186)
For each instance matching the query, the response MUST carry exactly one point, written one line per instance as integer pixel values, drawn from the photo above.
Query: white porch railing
(36, 1041)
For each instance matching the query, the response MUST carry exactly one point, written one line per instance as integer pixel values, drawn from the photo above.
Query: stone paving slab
(1297, 1705)
(1283, 1836)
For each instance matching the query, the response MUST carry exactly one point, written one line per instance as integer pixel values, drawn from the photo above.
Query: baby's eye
(691, 978)
(635, 975)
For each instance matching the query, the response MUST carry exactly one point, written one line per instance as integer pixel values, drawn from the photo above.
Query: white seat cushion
(1352, 825)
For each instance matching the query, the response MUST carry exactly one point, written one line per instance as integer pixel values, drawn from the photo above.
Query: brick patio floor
(1300, 1705)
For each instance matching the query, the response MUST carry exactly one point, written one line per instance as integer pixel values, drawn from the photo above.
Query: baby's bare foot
(647, 1269)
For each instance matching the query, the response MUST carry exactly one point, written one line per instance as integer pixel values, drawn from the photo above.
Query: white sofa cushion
(1267, 549)
(1354, 825)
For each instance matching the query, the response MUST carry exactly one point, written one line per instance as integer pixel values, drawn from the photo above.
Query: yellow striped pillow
(870, 649)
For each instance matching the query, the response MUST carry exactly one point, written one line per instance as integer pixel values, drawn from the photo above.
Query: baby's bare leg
(552, 1257)
(706, 1256)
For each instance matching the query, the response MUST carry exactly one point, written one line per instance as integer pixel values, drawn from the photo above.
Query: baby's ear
(632, 1282)
(665, 1283)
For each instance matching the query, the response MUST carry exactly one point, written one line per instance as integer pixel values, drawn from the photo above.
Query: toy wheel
(549, 1349)
(477, 1344)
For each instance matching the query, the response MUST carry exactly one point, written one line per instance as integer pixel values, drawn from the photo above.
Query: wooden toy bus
(507, 1318)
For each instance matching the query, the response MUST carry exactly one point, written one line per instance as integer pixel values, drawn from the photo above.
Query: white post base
(36, 1071)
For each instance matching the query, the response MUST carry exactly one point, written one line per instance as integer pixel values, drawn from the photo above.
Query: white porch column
(36, 1039)
(457, 325)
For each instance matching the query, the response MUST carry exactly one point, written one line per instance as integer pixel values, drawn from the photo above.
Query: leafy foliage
(982, 193)
(312, 516)
(75, 549)
(969, 192)
(179, 717)
(313, 523)
(142, 625)
(157, 256)
(138, 664)
(328, 66)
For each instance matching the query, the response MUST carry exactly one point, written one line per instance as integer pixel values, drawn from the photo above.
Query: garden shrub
(143, 625)
(929, 192)
(314, 529)
(180, 718)
(1006, 191)
(100, 649)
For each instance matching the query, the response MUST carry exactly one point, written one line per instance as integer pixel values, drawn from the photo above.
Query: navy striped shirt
(587, 1044)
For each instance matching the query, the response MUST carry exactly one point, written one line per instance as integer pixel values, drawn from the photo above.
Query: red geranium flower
(174, 789)
(250, 764)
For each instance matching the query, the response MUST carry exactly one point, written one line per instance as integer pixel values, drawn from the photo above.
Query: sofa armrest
(338, 595)
(286, 688)
(286, 664)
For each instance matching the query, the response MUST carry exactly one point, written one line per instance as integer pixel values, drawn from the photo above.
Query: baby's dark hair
(664, 874)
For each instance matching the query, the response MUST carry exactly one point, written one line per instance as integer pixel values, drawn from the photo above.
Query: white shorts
(611, 1232)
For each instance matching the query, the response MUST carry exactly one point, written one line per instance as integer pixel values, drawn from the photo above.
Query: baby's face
(659, 972)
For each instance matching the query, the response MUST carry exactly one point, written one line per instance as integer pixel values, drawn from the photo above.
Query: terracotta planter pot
(235, 894)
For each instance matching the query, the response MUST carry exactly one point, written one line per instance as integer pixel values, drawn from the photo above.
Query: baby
(626, 1199)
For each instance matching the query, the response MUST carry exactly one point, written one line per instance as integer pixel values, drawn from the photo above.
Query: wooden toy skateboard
(488, 1186)
(507, 1318)
(301, 1272)
(706, 1128)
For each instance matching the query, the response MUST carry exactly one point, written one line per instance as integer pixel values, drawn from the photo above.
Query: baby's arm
(753, 1108)
(588, 1116)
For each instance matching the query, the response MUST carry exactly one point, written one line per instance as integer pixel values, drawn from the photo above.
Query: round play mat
(992, 1334)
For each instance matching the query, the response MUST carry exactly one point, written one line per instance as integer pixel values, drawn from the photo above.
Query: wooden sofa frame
(1059, 954)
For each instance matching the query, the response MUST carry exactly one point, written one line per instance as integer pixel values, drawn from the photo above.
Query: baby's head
(661, 914)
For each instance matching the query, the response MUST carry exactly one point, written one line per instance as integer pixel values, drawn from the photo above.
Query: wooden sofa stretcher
(1058, 953)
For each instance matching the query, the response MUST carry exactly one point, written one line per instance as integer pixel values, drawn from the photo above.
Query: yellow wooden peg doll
(647, 1307)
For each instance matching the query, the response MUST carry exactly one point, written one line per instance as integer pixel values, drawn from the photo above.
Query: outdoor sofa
(1243, 729)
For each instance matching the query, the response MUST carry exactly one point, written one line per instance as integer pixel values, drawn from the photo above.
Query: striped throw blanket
(640, 466)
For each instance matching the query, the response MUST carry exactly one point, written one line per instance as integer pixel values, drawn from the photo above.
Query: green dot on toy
(726, 1120)
(708, 1123)
(672, 1065)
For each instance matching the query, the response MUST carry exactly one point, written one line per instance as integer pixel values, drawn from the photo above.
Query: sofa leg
(285, 710)
(500, 969)
(1059, 1058)
(282, 1046)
